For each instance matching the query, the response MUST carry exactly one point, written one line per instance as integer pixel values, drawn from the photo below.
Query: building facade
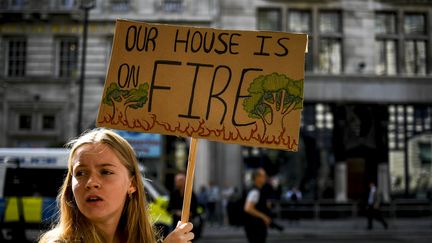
(368, 103)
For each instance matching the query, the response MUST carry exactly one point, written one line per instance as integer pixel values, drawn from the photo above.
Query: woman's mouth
(93, 198)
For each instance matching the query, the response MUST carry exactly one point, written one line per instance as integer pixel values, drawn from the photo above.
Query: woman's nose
(93, 182)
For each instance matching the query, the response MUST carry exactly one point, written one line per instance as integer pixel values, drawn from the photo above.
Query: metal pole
(406, 162)
(82, 73)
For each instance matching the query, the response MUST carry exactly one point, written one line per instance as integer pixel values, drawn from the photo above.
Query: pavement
(338, 230)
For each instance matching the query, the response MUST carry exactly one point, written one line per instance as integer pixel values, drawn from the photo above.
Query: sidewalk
(307, 227)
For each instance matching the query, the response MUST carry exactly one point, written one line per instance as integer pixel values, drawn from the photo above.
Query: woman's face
(100, 183)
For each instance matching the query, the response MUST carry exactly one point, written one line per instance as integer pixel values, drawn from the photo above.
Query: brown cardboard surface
(243, 87)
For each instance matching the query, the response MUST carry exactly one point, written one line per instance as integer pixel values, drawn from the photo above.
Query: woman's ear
(132, 187)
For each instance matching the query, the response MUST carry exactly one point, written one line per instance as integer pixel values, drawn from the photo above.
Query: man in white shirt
(372, 210)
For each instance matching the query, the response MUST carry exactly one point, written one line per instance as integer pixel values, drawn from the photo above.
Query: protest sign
(243, 87)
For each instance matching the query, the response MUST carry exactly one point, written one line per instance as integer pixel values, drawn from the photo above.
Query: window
(16, 54)
(17, 4)
(325, 54)
(174, 6)
(414, 24)
(329, 22)
(317, 118)
(409, 132)
(269, 19)
(68, 57)
(300, 21)
(415, 43)
(385, 23)
(48, 122)
(120, 5)
(330, 42)
(386, 57)
(330, 55)
(415, 57)
(25, 122)
(412, 42)
(66, 4)
(386, 43)
(407, 120)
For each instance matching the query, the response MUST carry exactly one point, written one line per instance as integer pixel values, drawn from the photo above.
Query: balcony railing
(25, 6)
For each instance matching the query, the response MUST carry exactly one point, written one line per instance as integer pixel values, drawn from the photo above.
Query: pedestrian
(373, 207)
(213, 199)
(102, 198)
(226, 194)
(294, 196)
(175, 204)
(256, 211)
(202, 196)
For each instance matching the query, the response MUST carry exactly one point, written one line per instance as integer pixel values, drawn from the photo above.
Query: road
(400, 231)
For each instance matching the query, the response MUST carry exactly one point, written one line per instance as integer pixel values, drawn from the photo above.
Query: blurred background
(367, 110)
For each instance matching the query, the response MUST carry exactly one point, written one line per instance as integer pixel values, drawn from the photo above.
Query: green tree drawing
(122, 99)
(272, 98)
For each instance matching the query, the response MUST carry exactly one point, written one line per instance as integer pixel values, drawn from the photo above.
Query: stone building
(368, 103)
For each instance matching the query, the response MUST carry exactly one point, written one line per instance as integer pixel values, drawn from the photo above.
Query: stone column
(384, 181)
(202, 164)
(231, 173)
(341, 179)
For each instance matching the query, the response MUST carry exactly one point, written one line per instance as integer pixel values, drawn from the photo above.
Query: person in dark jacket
(176, 200)
(256, 210)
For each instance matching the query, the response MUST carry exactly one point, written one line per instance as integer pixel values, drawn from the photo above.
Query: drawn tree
(122, 99)
(272, 98)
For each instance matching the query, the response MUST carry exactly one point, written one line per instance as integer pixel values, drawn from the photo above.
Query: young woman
(102, 198)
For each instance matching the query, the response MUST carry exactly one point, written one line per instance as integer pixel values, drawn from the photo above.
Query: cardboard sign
(243, 87)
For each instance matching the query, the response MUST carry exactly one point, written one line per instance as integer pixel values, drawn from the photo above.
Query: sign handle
(189, 181)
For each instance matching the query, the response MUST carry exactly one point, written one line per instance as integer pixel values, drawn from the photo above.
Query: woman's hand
(181, 234)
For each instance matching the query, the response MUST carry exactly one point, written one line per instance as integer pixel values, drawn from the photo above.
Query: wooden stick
(189, 181)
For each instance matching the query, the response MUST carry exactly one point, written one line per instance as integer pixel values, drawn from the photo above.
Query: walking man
(373, 211)
(257, 213)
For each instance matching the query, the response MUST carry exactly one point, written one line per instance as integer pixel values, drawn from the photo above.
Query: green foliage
(134, 98)
(266, 93)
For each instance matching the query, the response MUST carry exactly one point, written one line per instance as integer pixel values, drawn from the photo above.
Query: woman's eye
(106, 172)
(79, 173)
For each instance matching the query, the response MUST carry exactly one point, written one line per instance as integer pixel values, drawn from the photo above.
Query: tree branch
(131, 103)
(291, 105)
(265, 120)
(281, 104)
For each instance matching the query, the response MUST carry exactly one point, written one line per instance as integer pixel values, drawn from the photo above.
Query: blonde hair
(73, 226)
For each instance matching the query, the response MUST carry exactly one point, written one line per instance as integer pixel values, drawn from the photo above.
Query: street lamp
(85, 5)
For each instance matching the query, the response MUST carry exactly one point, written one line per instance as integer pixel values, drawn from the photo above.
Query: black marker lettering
(152, 85)
(232, 43)
(132, 29)
(185, 41)
(189, 114)
(217, 95)
(143, 39)
(238, 96)
(283, 47)
(119, 75)
(152, 35)
(208, 48)
(223, 42)
(197, 33)
(261, 52)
